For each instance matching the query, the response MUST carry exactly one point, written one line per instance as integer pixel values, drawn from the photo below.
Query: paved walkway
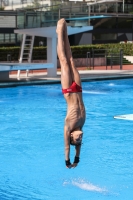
(86, 75)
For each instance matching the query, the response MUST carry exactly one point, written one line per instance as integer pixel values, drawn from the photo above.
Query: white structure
(102, 1)
(22, 66)
(129, 58)
(13, 5)
(90, 1)
(50, 34)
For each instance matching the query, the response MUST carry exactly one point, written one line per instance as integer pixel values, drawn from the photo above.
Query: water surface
(32, 163)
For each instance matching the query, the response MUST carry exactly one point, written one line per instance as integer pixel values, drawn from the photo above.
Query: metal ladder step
(26, 48)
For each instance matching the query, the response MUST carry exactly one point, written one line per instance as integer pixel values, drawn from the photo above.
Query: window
(1, 38)
(104, 23)
(124, 23)
(19, 37)
(12, 38)
(7, 38)
(103, 36)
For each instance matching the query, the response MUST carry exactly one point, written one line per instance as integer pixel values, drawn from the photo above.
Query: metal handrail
(112, 55)
(88, 56)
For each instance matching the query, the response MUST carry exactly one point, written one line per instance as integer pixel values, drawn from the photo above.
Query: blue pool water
(32, 144)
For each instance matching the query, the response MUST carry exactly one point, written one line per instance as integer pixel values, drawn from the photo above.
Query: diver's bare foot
(60, 26)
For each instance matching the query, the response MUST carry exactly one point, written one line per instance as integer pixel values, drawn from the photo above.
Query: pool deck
(86, 75)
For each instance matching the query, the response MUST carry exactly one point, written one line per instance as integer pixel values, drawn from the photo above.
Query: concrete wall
(4, 76)
(82, 62)
(80, 39)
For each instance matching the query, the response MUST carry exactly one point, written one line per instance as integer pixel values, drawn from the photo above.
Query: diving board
(24, 66)
(5, 68)
(81, 18)
(124, 117)
(87, 17)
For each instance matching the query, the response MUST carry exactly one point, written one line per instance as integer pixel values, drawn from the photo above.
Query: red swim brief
(73, 88)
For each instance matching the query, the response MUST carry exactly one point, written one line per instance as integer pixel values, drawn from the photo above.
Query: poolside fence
(95, 58)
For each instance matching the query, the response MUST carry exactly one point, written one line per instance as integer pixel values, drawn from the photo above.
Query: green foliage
(36, 3)
(2, 8)
(13, 51)
(81, 51)
(40, 53)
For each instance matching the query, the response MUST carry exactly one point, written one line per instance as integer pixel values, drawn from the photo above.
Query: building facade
(116, 27)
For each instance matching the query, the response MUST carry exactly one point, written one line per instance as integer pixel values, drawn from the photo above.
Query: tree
(36, 3)
(2, 8)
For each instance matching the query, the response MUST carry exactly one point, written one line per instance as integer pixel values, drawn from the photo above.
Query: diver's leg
(66, 78)
(74, 72)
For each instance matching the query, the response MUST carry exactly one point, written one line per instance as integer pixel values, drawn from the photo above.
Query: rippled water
(32, 146)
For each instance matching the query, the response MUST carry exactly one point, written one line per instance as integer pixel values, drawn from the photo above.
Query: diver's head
(76, 137)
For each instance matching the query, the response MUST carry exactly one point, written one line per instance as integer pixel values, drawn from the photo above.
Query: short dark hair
(72, 142)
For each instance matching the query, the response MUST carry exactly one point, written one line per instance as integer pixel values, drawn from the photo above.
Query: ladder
(26, 51)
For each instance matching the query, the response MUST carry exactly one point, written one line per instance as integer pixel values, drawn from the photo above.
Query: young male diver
(72, 90)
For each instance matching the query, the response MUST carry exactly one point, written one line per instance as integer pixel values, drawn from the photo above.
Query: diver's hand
(68, 163)
(74, 165)
(76, 161)
(69, 166)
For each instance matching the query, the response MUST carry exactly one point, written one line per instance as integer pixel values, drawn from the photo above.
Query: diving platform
(51, 35)
(51, 65)
(5, 68)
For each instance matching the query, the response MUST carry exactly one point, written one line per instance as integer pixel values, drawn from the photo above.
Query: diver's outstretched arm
(67, 146)
(76, 160)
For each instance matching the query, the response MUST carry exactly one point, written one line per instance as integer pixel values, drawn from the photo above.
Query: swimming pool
(32, 147)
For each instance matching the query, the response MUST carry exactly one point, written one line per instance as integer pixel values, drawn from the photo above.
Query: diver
(72, 90)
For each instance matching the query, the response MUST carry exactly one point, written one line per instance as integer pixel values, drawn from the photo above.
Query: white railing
(93, 2)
